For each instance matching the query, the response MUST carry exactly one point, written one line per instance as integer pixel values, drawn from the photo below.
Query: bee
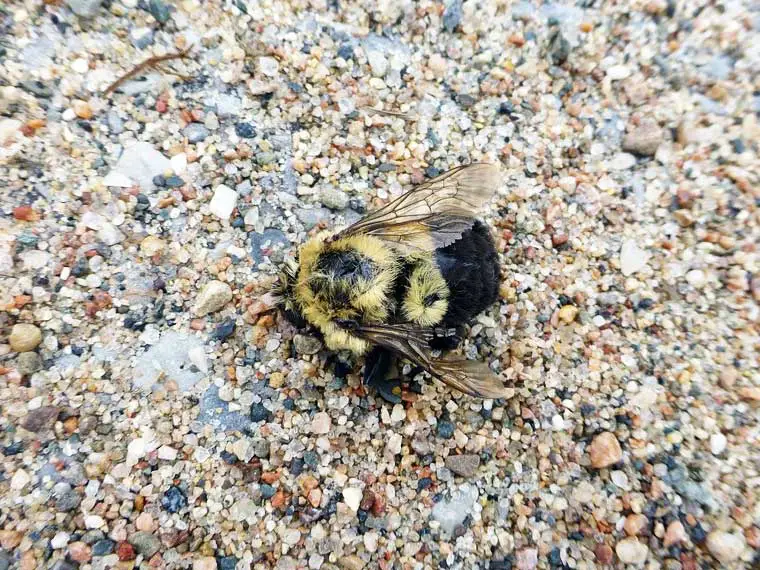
(402, 282)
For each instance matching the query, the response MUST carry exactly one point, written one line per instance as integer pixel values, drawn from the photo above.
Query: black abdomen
(470, 267)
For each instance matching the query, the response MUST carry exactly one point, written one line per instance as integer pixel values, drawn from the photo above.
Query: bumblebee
(404, 280)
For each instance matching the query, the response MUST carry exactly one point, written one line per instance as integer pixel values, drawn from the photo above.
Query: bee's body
(400, 286)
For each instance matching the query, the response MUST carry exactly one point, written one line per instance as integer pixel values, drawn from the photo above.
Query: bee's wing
(433, 214)
(468, 376)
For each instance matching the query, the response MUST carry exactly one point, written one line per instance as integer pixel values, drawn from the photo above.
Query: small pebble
(631, 551)
(223, 202)
(213, 297)
(24, 337)
(726, 547)
(605, 451)
(352, 496)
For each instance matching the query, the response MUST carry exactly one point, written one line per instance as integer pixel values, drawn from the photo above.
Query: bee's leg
(377, 366)
(446, 338)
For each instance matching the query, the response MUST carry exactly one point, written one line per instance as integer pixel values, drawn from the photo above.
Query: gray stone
(333, 198)
(644, 139)
(226, 105)
(261, 448)
(115, 123)
(39, 53)
(195, 133)
(85, 8)
(40, 419)
(306, 344)
(463, 465)
(310, 217)
(452, 16)
(159, 10)
(215, 412)
(145, 543)
(67, 501)
(28, 363)
(141, 37)
(270, 239)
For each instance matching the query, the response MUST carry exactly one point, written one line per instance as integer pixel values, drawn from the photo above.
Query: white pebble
(352, 496)
(201, 454)
(724, 546)
(60, 540)
(696, 278)
(292, 536)
(620, 479)
(320, 424)
(136, 450)
(631, 551)
(370, 541)
(268, 66)
(197, 357)
(167, 453)
(398, 413)
(178, 163)
(223, 202)
(617, 72)
(718, 443)
(394, 444)
(632, 258)
(92, 488)
(93, 521)
(622, 161)
(20, 480)
(80, 65)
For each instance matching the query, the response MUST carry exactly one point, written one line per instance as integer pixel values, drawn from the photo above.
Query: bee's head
(284, 292)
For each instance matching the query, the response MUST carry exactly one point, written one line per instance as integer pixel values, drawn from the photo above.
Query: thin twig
(149, 63)
(388, 113)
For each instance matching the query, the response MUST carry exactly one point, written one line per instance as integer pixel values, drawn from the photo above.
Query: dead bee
(402, 281)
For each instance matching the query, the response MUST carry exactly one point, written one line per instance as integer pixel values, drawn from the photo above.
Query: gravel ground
(155, 415)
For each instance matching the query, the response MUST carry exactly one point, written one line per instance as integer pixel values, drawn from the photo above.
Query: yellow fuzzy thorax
(368, 300)
(426, 281)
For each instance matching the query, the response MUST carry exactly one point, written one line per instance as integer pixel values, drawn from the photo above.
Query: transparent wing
(468, 376)
(433, 214)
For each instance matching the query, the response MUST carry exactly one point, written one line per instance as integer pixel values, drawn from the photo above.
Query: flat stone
(40, 419)
(605, 450)
(675, 534)
(145, 543)
(195, 133)
(223, 202)
(28, 363)
(451, 512)
(141, 163)
(463, 465)
(20, 480)
(644, 138)
(352, 496)
(725, 546)
(213, 297)
(631, 551)
(632, 258)
(321, 423)
(85, 8)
